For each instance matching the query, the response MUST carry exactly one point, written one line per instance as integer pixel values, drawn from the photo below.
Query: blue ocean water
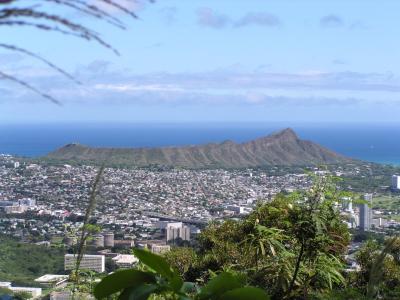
(377, 143)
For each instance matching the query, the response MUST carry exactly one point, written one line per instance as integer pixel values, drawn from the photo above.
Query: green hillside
(282, 148)
(22, 263)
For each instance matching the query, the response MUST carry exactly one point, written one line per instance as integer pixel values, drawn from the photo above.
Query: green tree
(379, 274)
(182, 259)
(292, 247)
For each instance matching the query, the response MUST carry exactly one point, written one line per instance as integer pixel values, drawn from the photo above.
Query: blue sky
(224, 61)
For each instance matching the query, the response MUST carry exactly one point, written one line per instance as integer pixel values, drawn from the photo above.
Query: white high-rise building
(173, 232)
(95, 263)
(365, 215)
(396, 182)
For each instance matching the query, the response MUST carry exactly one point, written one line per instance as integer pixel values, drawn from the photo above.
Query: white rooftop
(85, 255)
(50, 278)
(125, 259)
(5, 284)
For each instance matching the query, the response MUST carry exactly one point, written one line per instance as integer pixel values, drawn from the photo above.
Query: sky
(214, 61)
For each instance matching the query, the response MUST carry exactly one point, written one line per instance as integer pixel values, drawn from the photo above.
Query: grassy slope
(22, 263)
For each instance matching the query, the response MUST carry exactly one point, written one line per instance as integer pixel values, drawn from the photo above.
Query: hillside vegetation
(22, 263)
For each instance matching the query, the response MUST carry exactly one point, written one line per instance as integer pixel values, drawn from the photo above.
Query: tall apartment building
(95, 263)
(365, 215)
(185, 233)
(396, 182)
(173, 233)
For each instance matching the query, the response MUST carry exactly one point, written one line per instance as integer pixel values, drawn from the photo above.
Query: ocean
(370, 142)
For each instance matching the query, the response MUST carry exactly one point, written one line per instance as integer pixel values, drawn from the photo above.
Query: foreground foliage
(293, 247)
(158, 279)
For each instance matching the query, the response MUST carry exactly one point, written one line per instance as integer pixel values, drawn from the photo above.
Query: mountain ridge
(279, 148)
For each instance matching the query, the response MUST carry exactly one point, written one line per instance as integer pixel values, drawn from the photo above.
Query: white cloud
(133, 87)
(236, 86)
(209, 18)
(260, 19)
(331, 21)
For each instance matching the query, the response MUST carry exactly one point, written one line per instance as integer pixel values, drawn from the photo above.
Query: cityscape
(153, 209)
(199, 150)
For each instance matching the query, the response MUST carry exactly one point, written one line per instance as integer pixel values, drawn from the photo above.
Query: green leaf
(125, 293)
(245, 293)
(217, 286)
(262, 248)
(141, 292)
(188, 287)
(155, 262)
(121, 280)
(159, 265)
(176, 282)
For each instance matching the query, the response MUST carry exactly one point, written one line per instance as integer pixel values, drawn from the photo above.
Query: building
(51, 281)
(160, 249)
(125, 261)
(70, 240)
(365, 214)
(379, 222)
(64, 295)
(5, 284)
(236, 209)
(89, 262)
(124, 243)
(35, 292)
(15, 209)
(44, 243)
(98, 241)
(108, 239)
(164, 224)
(396, 183)
(184, 233)
(5, 203)
(172, 233)
(27, 202)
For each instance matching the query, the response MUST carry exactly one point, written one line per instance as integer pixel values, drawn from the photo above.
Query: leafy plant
(161, 280)
(291, 247)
